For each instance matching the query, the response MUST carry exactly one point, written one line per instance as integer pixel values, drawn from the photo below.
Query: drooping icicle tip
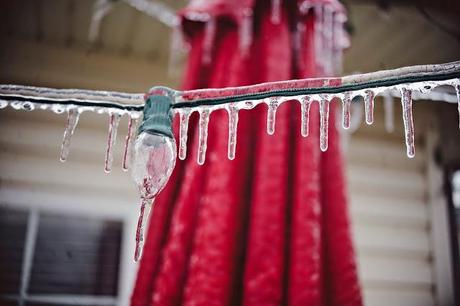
(72, 121)
(305, 103)
(184, 116)
(203, 135)
(369, 106)
(146, 205)
(409, 132)
(346, 108)
(128, 143)
(114, 121)
(232, 130)
(324, 124)
(271, 115)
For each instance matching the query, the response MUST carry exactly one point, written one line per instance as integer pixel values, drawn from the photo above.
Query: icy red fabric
(270, 227)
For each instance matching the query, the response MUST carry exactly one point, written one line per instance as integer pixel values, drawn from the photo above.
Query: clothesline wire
(134, 102)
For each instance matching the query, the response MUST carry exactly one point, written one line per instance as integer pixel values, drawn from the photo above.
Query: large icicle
(184, 116)
(144, 213)
(324, 123)
(128, 143)
(203, 135)
(72, 121)
(305, 103)
(388, 107)
(369, 106)
(232, 129)
(271, 115)
(112, 136)
(406, 101)
(346, 106)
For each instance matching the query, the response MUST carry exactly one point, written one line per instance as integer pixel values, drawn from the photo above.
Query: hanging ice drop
(146, 205)
(72, 121)
(153, 159)
(112, 136)
(369, 106)
(271, 115)
(127, 147)
(324, 124)
(203, 135)
(305, 103)
(232, 128)
(184, 116)
(409, 133)
(346, 106)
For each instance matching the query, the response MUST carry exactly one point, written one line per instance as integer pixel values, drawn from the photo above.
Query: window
(55, 259)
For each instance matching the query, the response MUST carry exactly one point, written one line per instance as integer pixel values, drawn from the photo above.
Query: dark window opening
(72, 256)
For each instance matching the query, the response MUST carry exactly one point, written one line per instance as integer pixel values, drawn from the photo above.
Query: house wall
(388, 196)
(390, 214)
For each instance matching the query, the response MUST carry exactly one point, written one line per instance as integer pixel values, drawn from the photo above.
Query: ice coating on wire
(420, 80)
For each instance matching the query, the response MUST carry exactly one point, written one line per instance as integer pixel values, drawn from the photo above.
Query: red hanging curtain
(270, 227)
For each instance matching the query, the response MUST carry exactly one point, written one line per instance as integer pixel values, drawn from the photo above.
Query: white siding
(390, 218)
(31, 174)
(387, 193)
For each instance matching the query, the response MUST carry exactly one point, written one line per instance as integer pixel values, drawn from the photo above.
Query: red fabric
(270, 227)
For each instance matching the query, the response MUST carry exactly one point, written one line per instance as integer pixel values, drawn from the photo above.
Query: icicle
(271, 115)
(245, 32)
(369, 106)
(305, 103)
(388, 107)
(72, 121)
(144, 213)
(457, 89)
(324, 123)
(275, 16)
(203, 135)
(184, 117)
(112, 136)
(346, 106)
(232, 128)
(128, 143)
(208, 40)
(406, 101)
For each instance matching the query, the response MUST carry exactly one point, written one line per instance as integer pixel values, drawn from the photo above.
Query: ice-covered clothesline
(409, 83)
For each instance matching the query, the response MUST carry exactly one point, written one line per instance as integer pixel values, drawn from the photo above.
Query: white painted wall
(388, 194)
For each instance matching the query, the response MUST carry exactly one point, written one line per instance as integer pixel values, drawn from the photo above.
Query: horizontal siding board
(390, 212)
(402, 297)
(409, 272)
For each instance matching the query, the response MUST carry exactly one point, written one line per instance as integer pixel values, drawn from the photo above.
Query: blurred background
(67, 230)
